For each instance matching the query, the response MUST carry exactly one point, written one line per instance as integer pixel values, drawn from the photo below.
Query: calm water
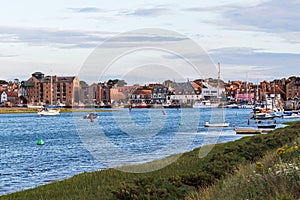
(74, 145)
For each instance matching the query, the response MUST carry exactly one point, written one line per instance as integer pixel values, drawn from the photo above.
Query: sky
(251, 39)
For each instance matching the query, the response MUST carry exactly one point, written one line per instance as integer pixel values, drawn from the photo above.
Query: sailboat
(49, 110)
(221, 124)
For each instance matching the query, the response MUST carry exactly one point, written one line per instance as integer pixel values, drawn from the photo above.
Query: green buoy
(180, 123)
(40, 142)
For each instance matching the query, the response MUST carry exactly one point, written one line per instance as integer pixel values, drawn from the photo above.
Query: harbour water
(142, 135)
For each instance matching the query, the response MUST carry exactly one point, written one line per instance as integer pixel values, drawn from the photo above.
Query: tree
(116, 82)
(3, 82)
(121, 83)
(83, 84)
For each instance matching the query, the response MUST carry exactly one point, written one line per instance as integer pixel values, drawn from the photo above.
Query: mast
(218, 83)
(247, 92)
(51, 88)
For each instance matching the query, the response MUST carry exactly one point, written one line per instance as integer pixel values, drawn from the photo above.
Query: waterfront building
(141, 95)
(120, 95)
(184, 93)
(159, 93)
(293, 88)
(51, 90)
(3, 98)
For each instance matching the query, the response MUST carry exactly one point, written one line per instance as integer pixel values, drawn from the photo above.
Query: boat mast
(247, 91)
(218, 83)
(51, 89)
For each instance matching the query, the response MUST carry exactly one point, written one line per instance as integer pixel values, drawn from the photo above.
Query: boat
(140, 105)
(34, 106)
(261, 116)
(205, 104)
(171, 105)
(233, 106)
(207, 124)
(246, 106)
(48, 112)
(91, 116)
(268, 126)
(208, 103)
(247, 130)
(290, 115)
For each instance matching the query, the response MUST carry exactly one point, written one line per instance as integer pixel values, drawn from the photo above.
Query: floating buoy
(40, 142)
(180, 123)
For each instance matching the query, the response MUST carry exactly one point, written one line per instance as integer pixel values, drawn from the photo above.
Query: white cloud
(273, 16)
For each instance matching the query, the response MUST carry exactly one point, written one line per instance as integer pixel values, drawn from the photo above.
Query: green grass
(275, 176)
(181, 179)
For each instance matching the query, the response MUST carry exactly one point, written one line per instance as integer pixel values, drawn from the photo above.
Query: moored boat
(48, 112)
(290, 115)
(233, 106)
(207, 124)
(34, 106)
(247, 130)
(268, 126)
(205, 104)
(141, 105)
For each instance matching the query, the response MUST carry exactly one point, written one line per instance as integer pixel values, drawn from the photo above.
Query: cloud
(8, 55)
(273, 16)
(86, 10)
(149, 12)
(69, 39)
(52, 37)
(256, 62)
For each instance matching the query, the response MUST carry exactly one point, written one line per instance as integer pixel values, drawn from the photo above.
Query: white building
(3, 97)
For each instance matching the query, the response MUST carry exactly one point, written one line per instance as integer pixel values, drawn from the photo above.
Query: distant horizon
(254, 81)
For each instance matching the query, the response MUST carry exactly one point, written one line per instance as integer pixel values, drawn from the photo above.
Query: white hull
(34, 106)
(290, 116)
(207, 124)
(205, 104)
(48, 112)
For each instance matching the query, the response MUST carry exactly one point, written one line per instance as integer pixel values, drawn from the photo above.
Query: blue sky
(258, 38)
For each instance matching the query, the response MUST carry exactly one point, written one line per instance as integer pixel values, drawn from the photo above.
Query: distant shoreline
(6, 110)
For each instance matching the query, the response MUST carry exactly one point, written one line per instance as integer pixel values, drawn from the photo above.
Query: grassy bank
(31, 110)
(185, 178)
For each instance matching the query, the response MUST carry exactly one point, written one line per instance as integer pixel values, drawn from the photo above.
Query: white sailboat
(49, 111)
(223, 123)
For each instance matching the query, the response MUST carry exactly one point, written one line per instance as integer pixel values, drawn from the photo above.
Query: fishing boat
(207, 124)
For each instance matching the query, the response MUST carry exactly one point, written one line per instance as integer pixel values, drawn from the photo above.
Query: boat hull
(247, 131)
(216, 125)
(48, 112)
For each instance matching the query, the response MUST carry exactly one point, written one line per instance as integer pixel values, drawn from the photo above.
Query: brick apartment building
(51, 90)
